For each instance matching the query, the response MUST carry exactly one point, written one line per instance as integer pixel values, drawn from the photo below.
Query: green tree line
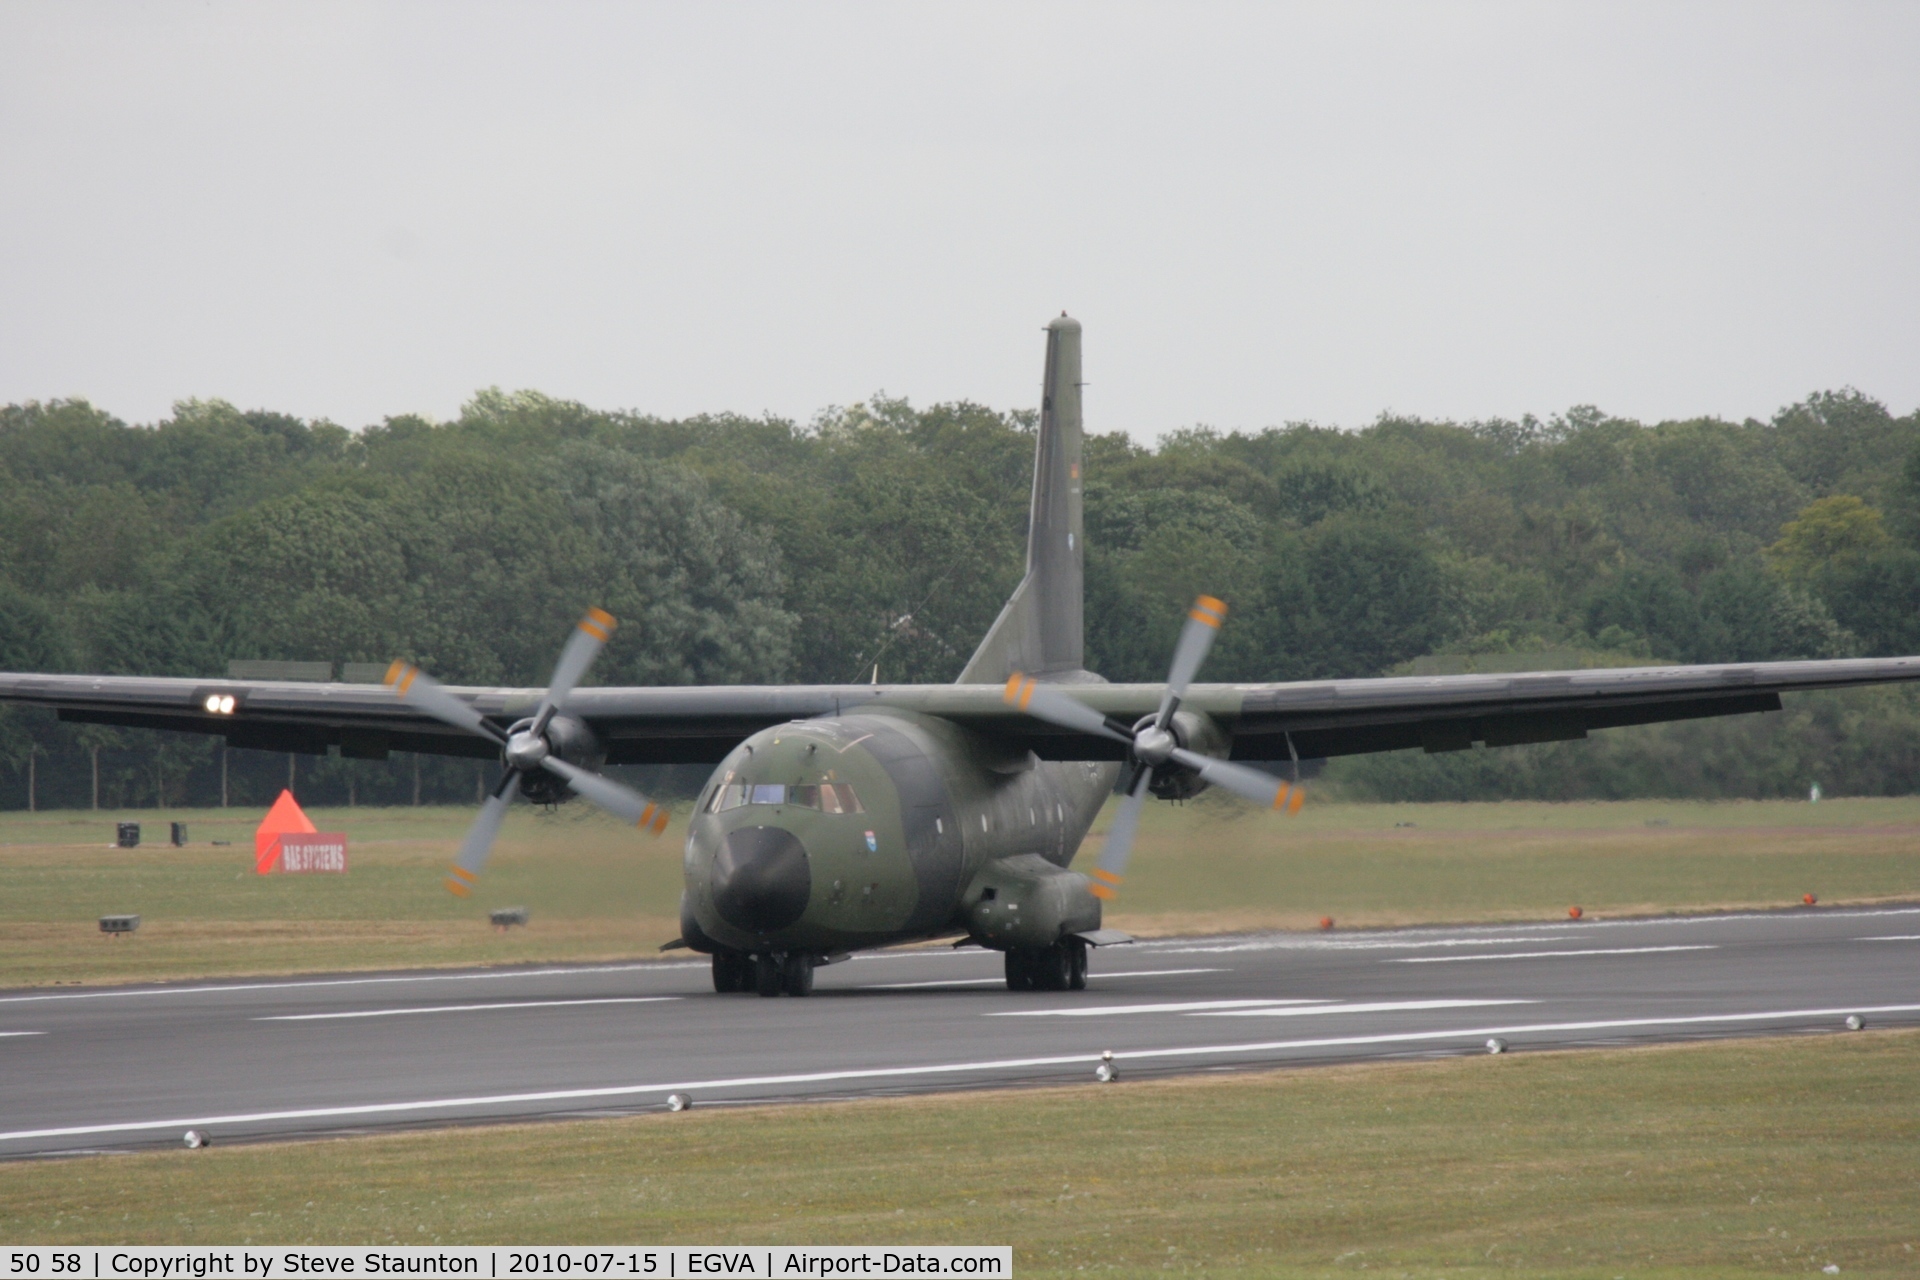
(749, 550)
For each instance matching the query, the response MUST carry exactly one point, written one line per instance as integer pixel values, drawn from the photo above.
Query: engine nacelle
(572, 741)
(1196, 731)
(1026, 901)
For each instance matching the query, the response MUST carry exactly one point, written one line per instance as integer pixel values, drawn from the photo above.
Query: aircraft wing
(702, 723)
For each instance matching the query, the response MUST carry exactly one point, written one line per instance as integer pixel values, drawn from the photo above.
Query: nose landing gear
(1060, 967)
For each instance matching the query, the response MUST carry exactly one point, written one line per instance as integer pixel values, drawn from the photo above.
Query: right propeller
(527, 746)
(1151, 743)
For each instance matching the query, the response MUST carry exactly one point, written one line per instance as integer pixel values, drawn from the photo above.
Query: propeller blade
(590, 635)
(480, 837)
(616, 798)
(1196, 637)
(1024, 693)
(423, 691)
(1249, 784)
(1110, 869)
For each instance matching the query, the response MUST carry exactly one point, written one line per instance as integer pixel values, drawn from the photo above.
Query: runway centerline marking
(22, 1033)
(1374, 1006)
(218, 988)
(1892, 937)
(460, 1008)
(1496, 937)
(1183, 1006)
(982, 982)
(947, 1068)
(1260, 1008)
(1541, 955)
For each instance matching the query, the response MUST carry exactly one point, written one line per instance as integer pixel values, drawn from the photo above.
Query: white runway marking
(22, 1033)
(461, 1008)
(1152, 973)
(1379, 1006)
(1893, 937)
(650, 966)
(1183, 1006)
(1385, 940)
(1541, 955)
(350, 982)
(947, 1068)
(982, 982)
(1259, 1008)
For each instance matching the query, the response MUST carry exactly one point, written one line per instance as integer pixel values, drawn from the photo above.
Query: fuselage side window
(731, 796)
(843, 794)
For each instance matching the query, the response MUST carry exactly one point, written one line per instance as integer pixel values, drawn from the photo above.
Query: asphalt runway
(130, 1067)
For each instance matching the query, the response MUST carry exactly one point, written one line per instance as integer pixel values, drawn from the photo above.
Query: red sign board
(287, 841)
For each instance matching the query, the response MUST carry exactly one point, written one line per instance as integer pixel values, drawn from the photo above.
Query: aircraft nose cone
(761, 879)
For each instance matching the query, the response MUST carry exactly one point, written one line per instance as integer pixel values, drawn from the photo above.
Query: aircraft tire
(796, 975)
(732, 972)
(1019, 972)
(1053, 970)
(1076, 964)
(767, 974)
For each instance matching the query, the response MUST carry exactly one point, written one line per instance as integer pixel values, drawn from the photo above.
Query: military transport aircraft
(843, 817)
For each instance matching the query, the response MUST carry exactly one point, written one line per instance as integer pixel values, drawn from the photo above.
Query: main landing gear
(1060, 967)
(768, 975)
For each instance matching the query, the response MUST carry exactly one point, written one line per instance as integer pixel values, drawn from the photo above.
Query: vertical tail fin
(1041, 629)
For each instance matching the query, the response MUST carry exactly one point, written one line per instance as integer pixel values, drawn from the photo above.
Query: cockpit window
(838, 797)
(830, 797)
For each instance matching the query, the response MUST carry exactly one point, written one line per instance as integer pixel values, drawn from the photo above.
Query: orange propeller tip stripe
(599, 624)
(1101, 873)
(1299, 799)
(1280, 796)
(1209, 610)
(394, 672)
(464, 874)
(457, 889)
(660, 823)
(1102, 892)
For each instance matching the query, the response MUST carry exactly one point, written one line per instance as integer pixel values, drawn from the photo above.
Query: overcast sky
(1261, 213)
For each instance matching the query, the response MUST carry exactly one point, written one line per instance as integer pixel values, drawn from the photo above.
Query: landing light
(219, 704)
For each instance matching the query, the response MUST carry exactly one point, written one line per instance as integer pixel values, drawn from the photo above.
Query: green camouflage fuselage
(953, 834)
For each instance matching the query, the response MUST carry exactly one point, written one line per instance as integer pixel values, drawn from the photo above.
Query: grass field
(597, 890)
(1760, 1157)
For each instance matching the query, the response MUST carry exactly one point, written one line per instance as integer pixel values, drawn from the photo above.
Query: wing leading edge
(702, 723)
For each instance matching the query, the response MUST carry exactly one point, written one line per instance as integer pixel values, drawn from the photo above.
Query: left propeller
(527, 747)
